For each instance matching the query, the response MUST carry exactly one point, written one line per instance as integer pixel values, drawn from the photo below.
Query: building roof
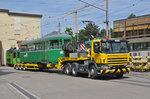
(4, 10)
(52, 33)
(20, 14)
(48, 37)
(137, 17)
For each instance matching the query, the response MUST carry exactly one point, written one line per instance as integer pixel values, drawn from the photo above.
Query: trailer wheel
(75, 69)
(120, 75)
(20, 68)
(67, 69)
(16, 67)
(92, 72)
(24, 68)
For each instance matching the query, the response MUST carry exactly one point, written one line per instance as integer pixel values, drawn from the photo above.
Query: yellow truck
(107, 57)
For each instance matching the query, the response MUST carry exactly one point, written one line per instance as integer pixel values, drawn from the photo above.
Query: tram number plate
(85, 62)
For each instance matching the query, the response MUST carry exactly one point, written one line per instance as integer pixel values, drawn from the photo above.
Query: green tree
(103, 32)
(131, 16)
(69, 31)
(112, 32)
(90, 30)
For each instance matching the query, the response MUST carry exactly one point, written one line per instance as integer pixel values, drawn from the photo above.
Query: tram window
(66, 41)
(33, 47)
(14, 55)
(46, 45)
(60, 43)
(37, 46)
(54, 44)
(24, 48)
(29, 47)
(18, 54)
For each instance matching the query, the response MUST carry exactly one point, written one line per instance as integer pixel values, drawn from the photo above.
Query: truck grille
(114, 60)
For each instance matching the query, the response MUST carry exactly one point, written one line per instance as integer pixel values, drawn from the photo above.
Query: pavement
(53, 84)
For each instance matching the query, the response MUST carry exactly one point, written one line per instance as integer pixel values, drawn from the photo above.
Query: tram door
(46, 51)
(43, 52)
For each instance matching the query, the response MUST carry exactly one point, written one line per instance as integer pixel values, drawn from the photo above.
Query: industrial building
(15, 28)
(137, 31)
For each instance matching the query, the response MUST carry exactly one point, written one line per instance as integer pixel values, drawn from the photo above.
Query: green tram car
(42, 51)
(12, 56)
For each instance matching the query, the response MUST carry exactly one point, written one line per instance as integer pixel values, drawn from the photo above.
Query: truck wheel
(67, 69)
(120, 75)
(74, 69)
(92, 72)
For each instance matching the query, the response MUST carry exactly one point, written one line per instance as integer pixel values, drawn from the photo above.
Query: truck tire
(70, 47)
(119, 75)
(92, 72)
(67, 69)
(74, 69)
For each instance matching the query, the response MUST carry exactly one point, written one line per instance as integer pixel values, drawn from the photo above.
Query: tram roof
(47, 37)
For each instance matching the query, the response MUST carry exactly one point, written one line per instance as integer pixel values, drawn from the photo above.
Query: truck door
(95, 52)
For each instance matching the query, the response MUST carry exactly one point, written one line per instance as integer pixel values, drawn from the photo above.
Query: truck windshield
(114, 47)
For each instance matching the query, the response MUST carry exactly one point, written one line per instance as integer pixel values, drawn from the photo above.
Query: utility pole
(109, 30)
(107, 22)
(125, 28)
(59, 28)
(76, 30)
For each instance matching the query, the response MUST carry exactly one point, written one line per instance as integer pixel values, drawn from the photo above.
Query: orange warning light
(108, 37)
(124, 37)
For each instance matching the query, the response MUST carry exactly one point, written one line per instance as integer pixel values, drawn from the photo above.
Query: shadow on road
(60, 72)
(5, 73)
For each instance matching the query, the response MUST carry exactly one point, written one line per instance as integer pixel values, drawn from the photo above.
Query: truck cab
(110, 56)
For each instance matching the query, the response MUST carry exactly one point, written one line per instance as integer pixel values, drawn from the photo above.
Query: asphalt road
(15, 84)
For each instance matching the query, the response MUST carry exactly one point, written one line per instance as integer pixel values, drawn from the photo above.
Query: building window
(141, 46)
(148, 45)
(14, 55)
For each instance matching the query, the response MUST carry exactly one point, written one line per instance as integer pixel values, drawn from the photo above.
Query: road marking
(23, 92)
